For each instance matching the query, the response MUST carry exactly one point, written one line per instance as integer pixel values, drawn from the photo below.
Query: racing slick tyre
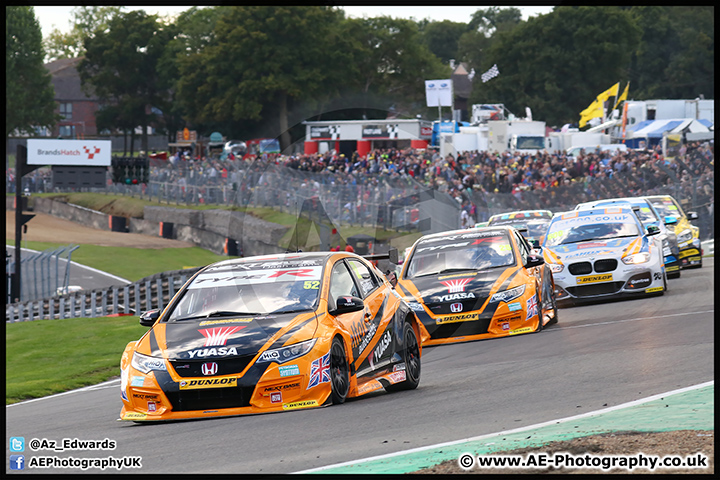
(411, 357)
(674, 274)
(339, 372)
(554, 318)
(540, 318)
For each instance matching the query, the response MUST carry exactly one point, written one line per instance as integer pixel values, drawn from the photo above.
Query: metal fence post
(148, 295)
(115, 300)
(136, 286)
(159, 293)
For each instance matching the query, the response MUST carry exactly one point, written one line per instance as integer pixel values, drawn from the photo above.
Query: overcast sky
(51, 18)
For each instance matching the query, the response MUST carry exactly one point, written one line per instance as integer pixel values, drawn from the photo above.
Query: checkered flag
(334, 132)
(492, 73)
(392, 131)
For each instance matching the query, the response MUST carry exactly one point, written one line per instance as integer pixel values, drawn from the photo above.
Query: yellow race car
(270, 334)
(477, 283)
(688, 235)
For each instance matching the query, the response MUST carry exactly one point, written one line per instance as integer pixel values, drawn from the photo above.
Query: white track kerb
(507, 432)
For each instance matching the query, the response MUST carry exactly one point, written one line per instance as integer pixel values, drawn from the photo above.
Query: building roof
(462, 85)
(66, 80)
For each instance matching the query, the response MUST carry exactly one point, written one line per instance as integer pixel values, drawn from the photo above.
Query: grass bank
(133, 207)
(133, 263)
(44, 357)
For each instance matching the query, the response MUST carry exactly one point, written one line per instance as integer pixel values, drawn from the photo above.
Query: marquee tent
(651, 131)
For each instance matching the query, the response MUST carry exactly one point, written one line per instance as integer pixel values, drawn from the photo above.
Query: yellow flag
(623, 96)
(610, 92)
(595, 110)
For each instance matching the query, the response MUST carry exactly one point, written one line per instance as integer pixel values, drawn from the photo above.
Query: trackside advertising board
(69, 152)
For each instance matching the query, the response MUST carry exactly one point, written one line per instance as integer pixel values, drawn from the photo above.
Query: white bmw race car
(603, 252)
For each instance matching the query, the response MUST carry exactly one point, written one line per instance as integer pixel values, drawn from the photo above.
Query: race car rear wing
(391, 256)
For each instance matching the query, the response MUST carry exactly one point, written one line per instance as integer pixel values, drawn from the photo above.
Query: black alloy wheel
(339, 372)
(411, 356)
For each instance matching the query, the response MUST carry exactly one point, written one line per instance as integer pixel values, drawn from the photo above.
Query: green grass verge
(133, 263)
(44, 357)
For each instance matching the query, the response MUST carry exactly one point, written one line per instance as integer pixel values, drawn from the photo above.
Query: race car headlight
(284, 354)
(145, 364)
(685, 236)
(508, 295)
(636, 258)
(556, 267)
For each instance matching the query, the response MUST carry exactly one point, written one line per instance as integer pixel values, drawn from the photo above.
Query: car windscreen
(666, 207)
(229, 291)
(472, 251)
(645, 214)
(535, 228)
(530, 142)
(585, 228)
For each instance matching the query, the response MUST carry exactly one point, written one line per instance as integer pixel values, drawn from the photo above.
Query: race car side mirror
(148, 318)
(347, 304)
(652, 230)
(670, 220)
(534, 261)
(692, 216)
(391, 277)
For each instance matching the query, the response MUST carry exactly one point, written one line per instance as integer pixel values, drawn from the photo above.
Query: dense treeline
(250, 71)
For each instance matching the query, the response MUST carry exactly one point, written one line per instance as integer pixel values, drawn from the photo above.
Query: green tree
(86, 20)
(390, 59)
(675, 56)
(442, 38)
(121, 64)
(478, 37)
(557, 64)
(195, 29)
(495, 19)
(261, 59)
(29, 94)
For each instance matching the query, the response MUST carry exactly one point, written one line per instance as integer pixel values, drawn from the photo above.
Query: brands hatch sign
(69, 152)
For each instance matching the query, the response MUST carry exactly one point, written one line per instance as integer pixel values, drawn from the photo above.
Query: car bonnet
(615, 248)
(223, 338)
(448, 287)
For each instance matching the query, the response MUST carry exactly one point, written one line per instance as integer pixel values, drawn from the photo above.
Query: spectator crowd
(476, 180)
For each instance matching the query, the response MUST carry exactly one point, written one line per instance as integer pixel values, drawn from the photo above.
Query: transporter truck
(516, 136)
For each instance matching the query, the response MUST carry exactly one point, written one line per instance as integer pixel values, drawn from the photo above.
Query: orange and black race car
(271, 333)
(477, 283)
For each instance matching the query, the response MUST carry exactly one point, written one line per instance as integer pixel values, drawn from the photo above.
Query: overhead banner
(69, 152)
(439, 93)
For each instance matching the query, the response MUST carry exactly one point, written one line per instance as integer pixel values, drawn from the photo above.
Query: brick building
(76, 108)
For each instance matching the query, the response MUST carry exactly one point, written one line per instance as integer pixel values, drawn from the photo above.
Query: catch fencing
(401, 203)
(42, 274)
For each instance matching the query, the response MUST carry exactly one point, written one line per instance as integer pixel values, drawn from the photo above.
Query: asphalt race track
(597, 356)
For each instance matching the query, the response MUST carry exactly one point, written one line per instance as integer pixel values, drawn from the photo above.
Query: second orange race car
(477, 283)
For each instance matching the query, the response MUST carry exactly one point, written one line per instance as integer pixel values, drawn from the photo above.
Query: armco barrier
(154, 291)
